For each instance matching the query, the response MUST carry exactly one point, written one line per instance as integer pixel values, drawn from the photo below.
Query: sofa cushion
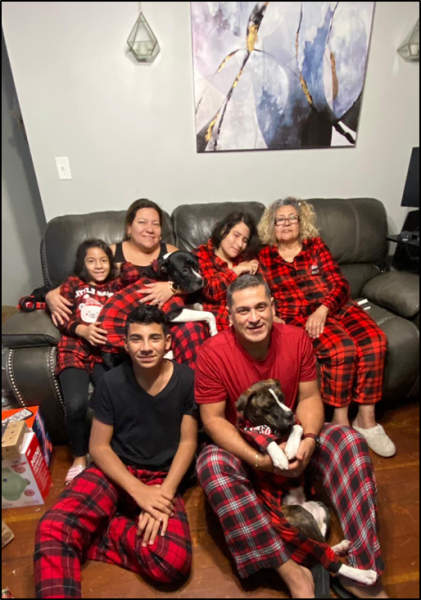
(358, 275)
(355, 229)
(26, 330)
(193, 223)
(64, 234)
(398, 291)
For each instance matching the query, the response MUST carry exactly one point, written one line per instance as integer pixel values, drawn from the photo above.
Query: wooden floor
(212, 573)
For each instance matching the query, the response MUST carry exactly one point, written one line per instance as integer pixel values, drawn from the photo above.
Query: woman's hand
(148, 526)
(156, 293)
(59, 307)
(251, 267)
(316, 322)
(92, 334)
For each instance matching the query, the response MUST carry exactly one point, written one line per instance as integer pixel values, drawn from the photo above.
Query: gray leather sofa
(355, 230)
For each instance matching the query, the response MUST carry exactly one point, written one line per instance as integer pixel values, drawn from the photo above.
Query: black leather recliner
(355, 230)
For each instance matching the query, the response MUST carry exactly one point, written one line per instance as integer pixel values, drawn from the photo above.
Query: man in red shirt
(255, 348)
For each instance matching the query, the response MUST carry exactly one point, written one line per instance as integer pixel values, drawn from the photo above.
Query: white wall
(23, 219)
(128, 128)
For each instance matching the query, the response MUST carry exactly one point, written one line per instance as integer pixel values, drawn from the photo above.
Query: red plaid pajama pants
(343, 465)
(84, 524)
(351, 352)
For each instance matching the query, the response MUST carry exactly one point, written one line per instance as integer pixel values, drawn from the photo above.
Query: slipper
(339, 589)
(378, 440)
(321, 581)
(72, 473)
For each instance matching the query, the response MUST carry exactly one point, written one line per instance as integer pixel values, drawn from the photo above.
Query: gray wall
(23, 219)
(128, 128)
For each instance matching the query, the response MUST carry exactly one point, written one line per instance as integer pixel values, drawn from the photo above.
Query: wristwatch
(314, 437)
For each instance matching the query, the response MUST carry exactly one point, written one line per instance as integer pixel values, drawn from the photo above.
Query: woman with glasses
(311, 292)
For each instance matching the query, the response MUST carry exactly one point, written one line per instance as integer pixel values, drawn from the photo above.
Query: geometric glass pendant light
(142, 41)
(410, 47)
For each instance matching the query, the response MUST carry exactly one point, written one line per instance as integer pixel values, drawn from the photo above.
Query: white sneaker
(378, 440)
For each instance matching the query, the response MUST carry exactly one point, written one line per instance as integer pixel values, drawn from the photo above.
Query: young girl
(79, 349)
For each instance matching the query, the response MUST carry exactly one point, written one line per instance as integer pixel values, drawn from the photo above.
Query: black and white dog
(182, 268)
(262, 405)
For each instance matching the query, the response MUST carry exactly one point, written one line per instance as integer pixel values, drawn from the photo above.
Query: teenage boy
(125, 508)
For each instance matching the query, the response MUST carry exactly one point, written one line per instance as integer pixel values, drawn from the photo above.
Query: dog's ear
(246, 396)
(162, 265)
(242, 401)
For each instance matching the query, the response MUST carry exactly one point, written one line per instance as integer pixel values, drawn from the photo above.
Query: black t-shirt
(147, 428)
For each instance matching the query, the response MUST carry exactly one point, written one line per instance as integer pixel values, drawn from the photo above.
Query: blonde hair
(308, 229)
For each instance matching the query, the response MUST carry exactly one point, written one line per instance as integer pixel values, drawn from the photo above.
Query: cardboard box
(25, 480)
(7, 534)
(35, 423)
(11, 441)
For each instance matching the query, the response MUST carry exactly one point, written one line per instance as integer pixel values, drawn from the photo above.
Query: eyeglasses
(282, 220)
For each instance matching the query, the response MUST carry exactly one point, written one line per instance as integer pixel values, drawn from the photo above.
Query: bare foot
(299, 579)
(364, 591)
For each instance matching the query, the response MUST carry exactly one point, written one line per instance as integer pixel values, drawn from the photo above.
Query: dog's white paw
(342, 549)
(293, 442)
(169, 355)
(368, 577)
(278, 457)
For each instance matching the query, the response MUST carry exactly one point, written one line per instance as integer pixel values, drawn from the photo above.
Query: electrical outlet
(63, 167)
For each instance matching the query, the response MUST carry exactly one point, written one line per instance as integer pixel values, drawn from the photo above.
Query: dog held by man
(265, 421)
(254, 349)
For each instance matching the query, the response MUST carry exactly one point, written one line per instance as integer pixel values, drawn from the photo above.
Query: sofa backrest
(64, 234)
(355, 230)
(193, 223)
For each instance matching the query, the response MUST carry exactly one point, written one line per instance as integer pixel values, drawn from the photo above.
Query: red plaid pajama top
(351, 350)
(88, 300)
(218, 276)
(301, 286)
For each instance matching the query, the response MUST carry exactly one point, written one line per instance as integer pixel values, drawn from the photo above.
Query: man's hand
(153, 500)
(58, 306)
(316, 322)
(156, 293)
(297, 466)
(148, 526)
(92, 334)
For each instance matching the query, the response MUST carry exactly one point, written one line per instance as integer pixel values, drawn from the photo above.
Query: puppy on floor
(265, 422)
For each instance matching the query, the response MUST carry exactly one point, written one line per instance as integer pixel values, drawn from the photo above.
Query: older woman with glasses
(311, 292)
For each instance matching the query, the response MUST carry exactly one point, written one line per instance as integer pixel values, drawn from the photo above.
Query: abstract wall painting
(278, 75)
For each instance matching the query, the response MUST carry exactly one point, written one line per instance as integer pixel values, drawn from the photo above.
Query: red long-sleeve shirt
(88, 300)
(218, 276)
(311, 279)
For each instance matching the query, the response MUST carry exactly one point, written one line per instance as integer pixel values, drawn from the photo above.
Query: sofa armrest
(397, 291)
(26, 330)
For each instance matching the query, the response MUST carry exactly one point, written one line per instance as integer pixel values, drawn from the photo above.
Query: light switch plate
(63, 167)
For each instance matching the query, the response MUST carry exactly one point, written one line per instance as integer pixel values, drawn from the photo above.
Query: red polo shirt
(224, 370)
